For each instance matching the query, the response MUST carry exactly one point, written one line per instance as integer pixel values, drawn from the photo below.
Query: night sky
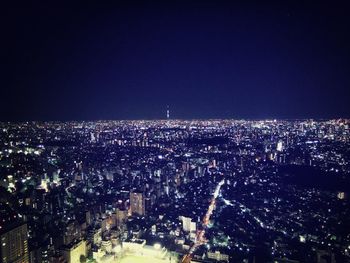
(204, 59)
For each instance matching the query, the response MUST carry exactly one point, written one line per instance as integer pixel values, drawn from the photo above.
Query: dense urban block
(175, 191)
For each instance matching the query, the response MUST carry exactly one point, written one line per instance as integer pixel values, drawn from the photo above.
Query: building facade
(14, 245)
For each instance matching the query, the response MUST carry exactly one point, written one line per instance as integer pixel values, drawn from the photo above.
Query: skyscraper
(14, 244)
(137, 203)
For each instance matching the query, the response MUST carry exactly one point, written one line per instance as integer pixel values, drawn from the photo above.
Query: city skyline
(201, 131)
(175, 191)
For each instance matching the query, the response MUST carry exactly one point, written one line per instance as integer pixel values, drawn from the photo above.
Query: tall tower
(167, 112)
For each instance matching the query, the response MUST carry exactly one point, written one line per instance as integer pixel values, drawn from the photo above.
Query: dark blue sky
(212, 59)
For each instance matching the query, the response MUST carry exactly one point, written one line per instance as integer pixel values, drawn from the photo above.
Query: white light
(157, 246)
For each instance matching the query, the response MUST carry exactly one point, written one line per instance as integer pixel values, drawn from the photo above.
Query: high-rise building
(88, 218)
(72, 232)
(187, 224)
(279, 146)
(137, 203)
(122, 216)
(14, 244)
(74, 252)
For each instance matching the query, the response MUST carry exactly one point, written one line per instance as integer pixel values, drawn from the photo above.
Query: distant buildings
(73, 183)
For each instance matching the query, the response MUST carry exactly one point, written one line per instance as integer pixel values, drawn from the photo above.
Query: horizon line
(185, 119)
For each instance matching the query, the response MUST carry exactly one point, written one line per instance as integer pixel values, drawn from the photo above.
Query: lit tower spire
(167, 112)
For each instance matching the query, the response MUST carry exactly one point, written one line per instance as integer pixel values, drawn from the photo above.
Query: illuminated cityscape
(203, 131)
(176, 191)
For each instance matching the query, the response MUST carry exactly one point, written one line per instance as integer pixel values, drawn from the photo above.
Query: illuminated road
(200, 239)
